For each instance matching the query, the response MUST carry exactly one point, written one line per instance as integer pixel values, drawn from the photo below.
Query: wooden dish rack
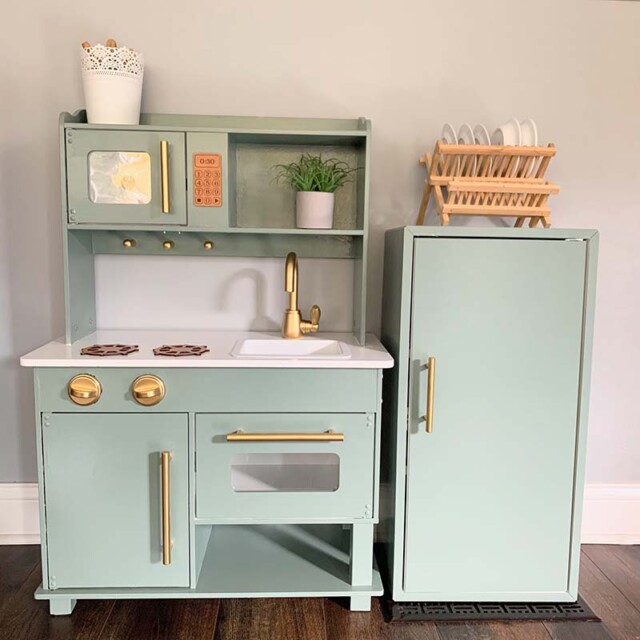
(489, 180)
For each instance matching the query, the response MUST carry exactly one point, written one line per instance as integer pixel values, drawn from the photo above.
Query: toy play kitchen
(219, 464)
(207, 464)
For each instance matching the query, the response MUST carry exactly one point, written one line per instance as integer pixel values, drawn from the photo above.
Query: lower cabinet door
(104, 487)
(284, 467)
(490, 490)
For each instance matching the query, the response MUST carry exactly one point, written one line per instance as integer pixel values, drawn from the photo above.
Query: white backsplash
(153, 292)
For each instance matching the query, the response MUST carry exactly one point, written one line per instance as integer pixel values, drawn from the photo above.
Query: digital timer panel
(207, 180)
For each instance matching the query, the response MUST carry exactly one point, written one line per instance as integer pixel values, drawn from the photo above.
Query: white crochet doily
(115, 61)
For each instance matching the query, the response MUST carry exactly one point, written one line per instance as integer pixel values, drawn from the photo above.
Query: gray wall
(409, 66)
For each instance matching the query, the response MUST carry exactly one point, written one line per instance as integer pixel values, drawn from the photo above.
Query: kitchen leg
(61, 607)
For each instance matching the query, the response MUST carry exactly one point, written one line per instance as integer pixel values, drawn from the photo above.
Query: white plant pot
(112, 99)
(314, 210)
(112, 80)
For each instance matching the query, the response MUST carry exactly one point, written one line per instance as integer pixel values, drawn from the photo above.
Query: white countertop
(371, 355)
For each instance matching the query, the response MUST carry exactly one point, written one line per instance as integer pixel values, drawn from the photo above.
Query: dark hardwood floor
(610, 583)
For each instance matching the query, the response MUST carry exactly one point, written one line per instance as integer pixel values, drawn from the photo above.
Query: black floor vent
(485, 611)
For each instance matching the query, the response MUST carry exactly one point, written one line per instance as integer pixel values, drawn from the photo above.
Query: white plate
(481, 136)
(529, 133)
(529, 139)
(509, 134)
(465, 136)
(449, 136)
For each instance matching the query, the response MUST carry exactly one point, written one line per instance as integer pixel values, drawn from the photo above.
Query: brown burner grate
(179, 350)
(109, 350)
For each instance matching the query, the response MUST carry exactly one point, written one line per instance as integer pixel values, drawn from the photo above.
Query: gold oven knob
(147, 390)
(84, 389)
(168, 244)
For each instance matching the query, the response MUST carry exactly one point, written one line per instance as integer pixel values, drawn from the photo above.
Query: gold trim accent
(164, 174)
(165, 458)
(84, 389)
(431, 381)
(147, 390)
(328, 436)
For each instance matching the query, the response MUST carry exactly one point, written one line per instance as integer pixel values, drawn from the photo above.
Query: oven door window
(285, 472)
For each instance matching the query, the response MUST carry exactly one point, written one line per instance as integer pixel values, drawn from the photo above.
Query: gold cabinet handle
(164, 174)
(165, 458)
(431, 382)
(147, 390)
(328, 436)
(84, 389)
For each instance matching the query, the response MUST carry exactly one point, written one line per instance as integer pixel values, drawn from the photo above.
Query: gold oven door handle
(328, 436)
(431, 382)
(164, 175)
(165, 458)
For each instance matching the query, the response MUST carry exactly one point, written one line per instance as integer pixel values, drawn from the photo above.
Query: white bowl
(529, 133)
(509, 135)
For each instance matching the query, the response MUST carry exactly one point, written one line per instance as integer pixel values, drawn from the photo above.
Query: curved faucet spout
(293, 326)
(291, 280)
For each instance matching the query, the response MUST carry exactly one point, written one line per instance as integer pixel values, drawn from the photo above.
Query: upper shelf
(151, 175)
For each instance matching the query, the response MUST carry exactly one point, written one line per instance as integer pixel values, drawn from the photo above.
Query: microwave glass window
(285, 472)
(119, 177)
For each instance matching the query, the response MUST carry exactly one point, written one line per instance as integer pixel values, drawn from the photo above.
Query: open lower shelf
(258, 561)
(280, 560)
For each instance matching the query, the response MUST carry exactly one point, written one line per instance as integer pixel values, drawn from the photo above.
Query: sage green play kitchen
(207, 464)
(219, 464)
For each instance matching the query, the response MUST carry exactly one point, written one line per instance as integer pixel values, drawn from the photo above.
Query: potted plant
(315, 181)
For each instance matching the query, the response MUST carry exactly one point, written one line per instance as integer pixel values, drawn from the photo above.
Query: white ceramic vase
(314, 209)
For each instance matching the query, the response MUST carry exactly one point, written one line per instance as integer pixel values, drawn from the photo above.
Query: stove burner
(109, 350)
(178, 350)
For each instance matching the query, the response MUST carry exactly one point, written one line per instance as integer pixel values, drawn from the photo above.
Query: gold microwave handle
(164, 174)
(165, 458)
(328, 436)
(431, 382)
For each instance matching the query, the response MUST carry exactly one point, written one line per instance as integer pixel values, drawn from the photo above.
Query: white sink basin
(284, 349)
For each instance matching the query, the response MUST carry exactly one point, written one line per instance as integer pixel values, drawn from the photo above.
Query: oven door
(284, 467)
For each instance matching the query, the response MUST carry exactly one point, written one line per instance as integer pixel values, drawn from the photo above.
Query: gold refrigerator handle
(165, 458)
(431, 381)
(327, 436)
(164, 174)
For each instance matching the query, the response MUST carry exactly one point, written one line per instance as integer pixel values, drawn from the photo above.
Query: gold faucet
(293, 326)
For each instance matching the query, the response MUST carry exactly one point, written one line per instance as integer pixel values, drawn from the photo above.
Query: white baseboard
(611, 514)
(19, 516)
